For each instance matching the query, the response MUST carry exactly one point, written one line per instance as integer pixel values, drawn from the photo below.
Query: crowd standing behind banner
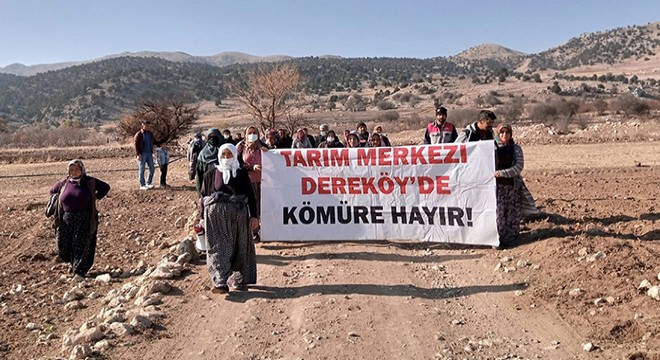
(235, 182)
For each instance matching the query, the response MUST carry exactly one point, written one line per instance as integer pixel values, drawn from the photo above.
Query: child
(163, 158)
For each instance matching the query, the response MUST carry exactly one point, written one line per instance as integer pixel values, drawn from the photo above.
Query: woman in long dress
(229, 209)
(76, 233)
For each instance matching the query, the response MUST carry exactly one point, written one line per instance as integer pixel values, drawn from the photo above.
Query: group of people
(228, 182)
(512, 195)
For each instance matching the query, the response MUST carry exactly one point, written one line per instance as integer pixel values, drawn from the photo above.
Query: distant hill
(103, 89)
(221, 59)
(490, 51)
(607, 47)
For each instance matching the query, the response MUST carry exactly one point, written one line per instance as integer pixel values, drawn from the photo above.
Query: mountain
(221, 59)
(607, 47)
(489, 51)
(102, 90)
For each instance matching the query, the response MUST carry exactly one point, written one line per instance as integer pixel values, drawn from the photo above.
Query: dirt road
(377, 300)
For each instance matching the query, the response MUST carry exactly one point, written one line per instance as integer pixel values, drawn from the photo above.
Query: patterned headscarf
(228, 171)
(499, 128)
(78, 163)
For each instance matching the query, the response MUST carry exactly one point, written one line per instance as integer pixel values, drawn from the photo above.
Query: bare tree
(269, 94)
(169, 119)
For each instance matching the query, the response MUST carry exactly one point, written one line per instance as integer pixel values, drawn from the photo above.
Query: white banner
(439, 193)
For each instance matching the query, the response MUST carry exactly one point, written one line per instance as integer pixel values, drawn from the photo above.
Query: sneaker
(256, 238)
(149, 186)
(235, 281)
(144, 188)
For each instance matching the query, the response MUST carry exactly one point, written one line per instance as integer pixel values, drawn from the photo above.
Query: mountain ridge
(608, 46)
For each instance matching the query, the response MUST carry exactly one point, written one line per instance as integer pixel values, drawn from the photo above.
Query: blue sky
(48, 31)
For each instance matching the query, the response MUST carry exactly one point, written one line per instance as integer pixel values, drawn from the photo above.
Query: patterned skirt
(509, 205)
(229, 244)
(74, 243)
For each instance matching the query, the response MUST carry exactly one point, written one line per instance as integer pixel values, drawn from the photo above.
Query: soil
(599, 232)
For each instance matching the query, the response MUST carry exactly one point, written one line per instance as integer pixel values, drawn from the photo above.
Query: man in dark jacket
(482, 129)
(144, 148)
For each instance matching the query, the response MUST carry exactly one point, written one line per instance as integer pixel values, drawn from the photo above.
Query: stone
(498, 266)
(151, 287)
(522, 263)
(597, 256)
(141, 322)
(151, 299)
(644, 286)
(184, 258)
(105, 279)
(74, 305)
(600, 301)
(659, 276)
(654, 292)
(583, 252)
(80, 352)
(575, 292)
(102, 345)
(129, 290)
(589, 347)
(509, 269)
(186, 245)
(162, 273)
(121, 329)
(73, 294)
(32, 326)
(610, 300)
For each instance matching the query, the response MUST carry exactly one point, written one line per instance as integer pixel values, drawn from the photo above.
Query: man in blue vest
(440, 131)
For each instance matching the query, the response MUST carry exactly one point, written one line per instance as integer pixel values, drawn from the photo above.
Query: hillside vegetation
(93, 93)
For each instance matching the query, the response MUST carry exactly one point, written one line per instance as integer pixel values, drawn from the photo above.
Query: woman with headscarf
(272, 140)
(353, 140)
(331, 141)
(209, 154)
(301, 141)
(509, 163)
(228, 206)
(249, 156)
(78, 223)
(375, 140)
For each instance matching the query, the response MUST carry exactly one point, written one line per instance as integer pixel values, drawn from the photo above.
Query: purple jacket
(76, 196)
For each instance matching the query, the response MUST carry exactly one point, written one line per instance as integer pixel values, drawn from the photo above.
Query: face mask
(330, 139)
(227, 136)
(252, 137)
(323, 133)
(226, 162)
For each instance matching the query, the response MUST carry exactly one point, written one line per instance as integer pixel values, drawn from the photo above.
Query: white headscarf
(78, 163)
(228, 171)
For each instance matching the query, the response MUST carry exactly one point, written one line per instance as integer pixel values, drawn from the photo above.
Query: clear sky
(48, 31)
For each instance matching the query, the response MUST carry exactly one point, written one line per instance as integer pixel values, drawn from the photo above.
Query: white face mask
(323, 133)
(330, 139)
(226, 162)
(252, 137)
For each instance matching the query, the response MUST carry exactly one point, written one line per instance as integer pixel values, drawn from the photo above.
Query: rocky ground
(581, 284)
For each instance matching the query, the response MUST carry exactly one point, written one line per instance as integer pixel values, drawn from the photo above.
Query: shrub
(385, 105)
(390, 115)
(630, 104)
